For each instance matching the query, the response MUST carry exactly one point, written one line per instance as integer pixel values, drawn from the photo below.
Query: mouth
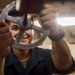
(25, 38)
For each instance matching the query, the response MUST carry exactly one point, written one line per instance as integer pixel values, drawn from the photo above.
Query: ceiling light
(66, 21)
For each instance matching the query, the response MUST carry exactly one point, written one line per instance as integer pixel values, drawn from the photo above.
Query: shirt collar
(35, 55)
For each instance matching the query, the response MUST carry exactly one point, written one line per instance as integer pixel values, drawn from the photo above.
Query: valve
(45, 31)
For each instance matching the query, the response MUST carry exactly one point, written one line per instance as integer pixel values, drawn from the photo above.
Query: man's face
(27, 36)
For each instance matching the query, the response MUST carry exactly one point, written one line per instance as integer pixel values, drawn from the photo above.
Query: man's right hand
(6, 39)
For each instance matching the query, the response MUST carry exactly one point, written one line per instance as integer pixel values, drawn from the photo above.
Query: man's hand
(60, 49)
(6, 39)
(48, 18)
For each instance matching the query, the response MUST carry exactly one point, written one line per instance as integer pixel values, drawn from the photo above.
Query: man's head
(14, 28)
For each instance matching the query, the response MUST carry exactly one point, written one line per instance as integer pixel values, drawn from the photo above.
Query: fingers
(6, 38)
(48, 15)
(3, 29)
(6, 42)
(2, 24)
(47, 9)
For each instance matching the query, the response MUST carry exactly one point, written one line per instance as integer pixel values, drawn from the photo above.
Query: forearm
(2, 60)
(61, 55)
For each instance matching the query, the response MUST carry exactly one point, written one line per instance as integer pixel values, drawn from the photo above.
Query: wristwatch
(57, 37)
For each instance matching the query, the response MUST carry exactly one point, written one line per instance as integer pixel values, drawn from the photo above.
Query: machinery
(24, 22)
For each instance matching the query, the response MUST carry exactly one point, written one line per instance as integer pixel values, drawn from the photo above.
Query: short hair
(13, 12)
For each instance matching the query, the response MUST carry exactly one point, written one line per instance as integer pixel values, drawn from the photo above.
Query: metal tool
(45, 31)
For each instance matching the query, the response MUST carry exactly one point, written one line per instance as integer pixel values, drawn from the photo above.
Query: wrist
(4, 52)
(54, 31)
(56, 36)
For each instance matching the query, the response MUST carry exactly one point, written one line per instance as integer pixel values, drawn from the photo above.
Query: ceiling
(64, 7)
(3, 3)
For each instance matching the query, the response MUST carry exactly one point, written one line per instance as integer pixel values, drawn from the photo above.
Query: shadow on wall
(70, 33)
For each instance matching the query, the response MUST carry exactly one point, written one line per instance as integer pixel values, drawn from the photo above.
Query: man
(35, 61)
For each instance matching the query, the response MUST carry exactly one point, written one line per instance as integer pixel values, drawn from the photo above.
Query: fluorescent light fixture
(66, 21)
